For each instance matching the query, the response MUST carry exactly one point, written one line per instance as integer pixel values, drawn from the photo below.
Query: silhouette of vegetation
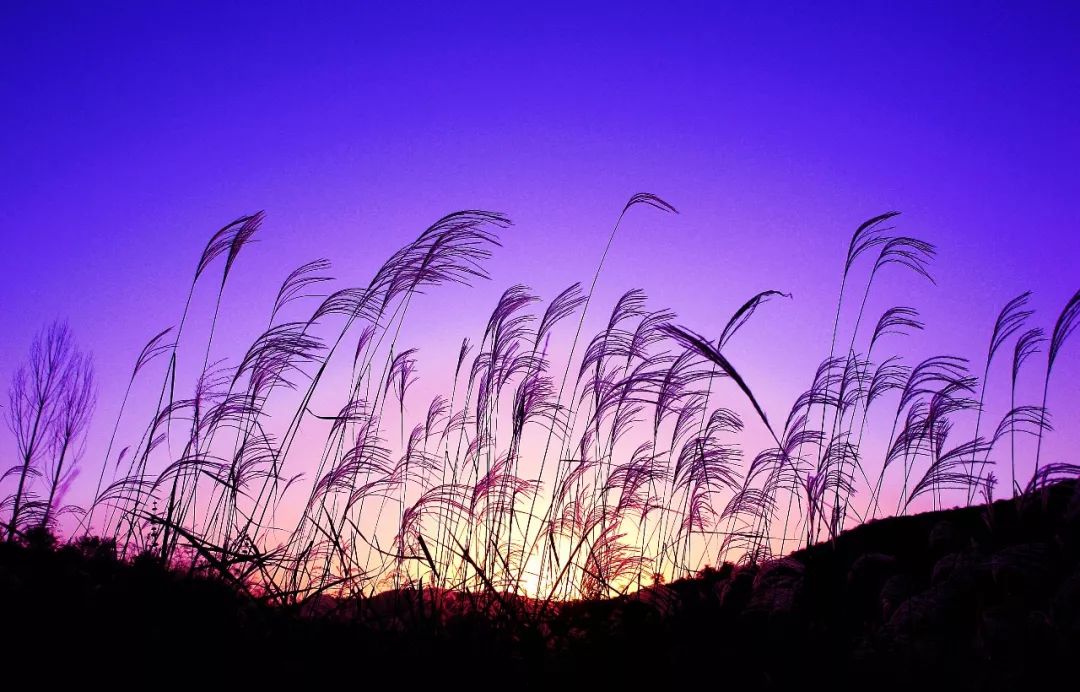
(984, 597)
(50, 403)
(522, 491)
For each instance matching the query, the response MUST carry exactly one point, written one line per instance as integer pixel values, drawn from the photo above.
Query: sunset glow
(678, 324)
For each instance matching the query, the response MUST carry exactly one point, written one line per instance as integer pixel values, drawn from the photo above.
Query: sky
(131, 131)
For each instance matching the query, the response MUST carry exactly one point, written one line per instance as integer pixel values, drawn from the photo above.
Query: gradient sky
(131, 131)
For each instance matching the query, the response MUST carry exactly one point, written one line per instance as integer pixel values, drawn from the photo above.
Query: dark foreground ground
(976, 598)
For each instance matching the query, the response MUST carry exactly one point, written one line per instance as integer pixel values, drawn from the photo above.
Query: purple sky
(129, 132)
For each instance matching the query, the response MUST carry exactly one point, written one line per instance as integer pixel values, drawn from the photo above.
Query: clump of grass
(627, 468)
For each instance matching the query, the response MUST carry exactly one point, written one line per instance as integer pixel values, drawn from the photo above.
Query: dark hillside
(976, 598)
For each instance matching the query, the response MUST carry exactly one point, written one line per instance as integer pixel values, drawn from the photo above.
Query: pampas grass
(304, 464)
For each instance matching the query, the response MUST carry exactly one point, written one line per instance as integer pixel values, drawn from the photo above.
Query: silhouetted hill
(974, 598)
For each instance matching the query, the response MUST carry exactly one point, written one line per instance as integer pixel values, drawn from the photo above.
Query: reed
(299, 468)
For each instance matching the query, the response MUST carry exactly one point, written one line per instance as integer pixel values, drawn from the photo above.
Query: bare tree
(50, 401)
(76, 399)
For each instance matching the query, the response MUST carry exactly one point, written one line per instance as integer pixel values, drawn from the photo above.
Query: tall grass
(301, 467)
